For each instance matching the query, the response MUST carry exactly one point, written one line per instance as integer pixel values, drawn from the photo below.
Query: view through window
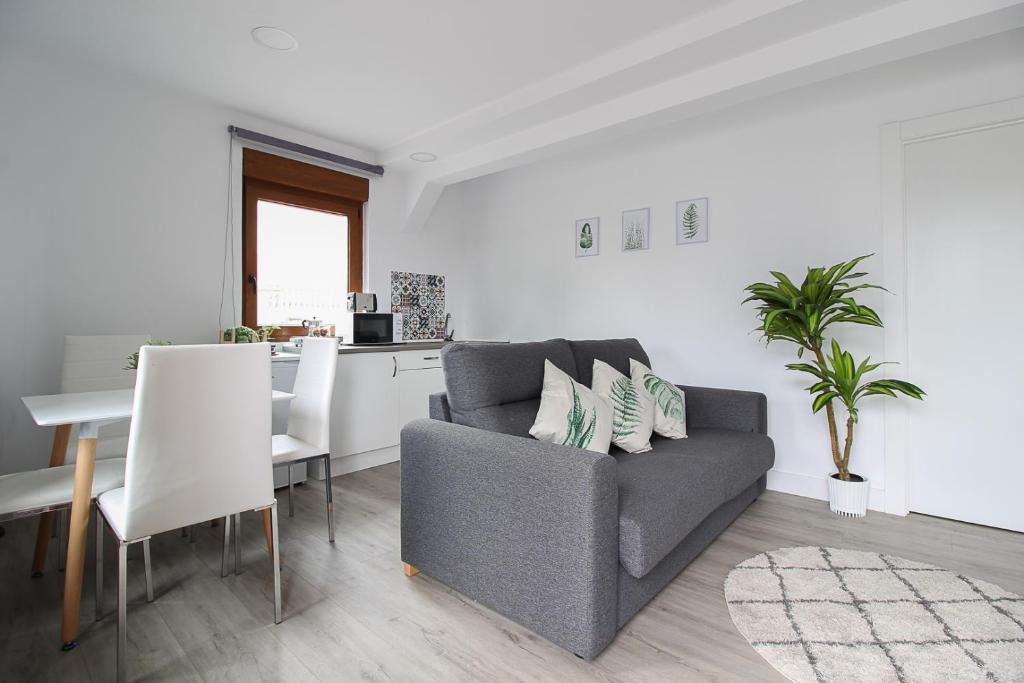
(303, 264)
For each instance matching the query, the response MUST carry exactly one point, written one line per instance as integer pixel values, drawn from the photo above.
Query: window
(302, 242)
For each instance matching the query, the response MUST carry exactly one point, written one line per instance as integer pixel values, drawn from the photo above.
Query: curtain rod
(253, 136)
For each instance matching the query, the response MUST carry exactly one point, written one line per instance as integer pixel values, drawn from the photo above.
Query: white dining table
(89, 410)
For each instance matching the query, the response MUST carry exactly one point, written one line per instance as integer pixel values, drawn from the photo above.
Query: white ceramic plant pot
(848, 498)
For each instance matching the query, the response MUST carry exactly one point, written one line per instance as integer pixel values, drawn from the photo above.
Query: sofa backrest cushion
(495, 386)
(614, 352)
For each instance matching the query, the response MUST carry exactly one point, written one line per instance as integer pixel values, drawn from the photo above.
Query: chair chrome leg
(238, 544)
(330, 498)
(99, 562)
(291, 492)
(149, 569)
(122, 610)
(275, 540)
(226, 548)
(62, 539)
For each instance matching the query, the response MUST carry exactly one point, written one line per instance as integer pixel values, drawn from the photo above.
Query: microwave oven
(371, 328)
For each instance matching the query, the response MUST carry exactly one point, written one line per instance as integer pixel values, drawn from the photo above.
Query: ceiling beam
(890, 32)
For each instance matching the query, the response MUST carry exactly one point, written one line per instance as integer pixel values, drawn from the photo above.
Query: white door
(364, 414)
(965, 264)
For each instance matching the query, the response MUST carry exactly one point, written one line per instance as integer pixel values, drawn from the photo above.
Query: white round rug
(827, 614)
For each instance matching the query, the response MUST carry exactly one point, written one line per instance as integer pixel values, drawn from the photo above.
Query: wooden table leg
(57, 454)
(85, 461)
(268, 532)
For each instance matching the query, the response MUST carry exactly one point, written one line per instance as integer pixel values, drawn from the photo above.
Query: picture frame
(636, 229)
(587, 237)
(692, 223)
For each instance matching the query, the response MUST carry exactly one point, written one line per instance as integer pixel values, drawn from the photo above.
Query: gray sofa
(567, 542)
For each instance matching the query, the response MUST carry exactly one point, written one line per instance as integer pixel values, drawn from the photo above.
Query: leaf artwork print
(691, 222)
(586, 237)
(626, 408)
(668, 398)
(634, 237)
(580, 434)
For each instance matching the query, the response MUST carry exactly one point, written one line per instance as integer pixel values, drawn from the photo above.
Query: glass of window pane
(303, 264)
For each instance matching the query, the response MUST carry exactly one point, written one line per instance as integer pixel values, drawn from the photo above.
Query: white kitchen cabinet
(283, 379)
(364, 414)
(420, 375)
(416, 388)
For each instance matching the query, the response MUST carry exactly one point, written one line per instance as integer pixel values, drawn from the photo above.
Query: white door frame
(895, 137)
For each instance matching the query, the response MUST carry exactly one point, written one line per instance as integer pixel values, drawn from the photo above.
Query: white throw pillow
(571, 414)
(670, 414)
(632, 408)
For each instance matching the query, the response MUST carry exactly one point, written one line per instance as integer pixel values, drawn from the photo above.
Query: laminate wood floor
(350, 613)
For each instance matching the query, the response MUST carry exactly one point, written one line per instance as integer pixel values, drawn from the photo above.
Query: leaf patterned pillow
(632, 408)
(571, 414)
(670, 414)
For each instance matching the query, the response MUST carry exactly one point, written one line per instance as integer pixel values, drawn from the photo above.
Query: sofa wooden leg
(409, 570)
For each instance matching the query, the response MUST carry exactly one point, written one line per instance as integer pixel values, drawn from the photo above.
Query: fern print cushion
(670, 402)
(632, 408)
(571, 414)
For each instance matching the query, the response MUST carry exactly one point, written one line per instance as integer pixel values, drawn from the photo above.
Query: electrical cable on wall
(229, 244)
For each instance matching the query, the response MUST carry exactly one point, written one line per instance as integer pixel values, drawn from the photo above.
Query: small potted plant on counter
(240, 335)
(801, 315)
(133, 360)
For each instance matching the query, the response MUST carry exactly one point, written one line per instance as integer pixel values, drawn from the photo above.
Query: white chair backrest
(309, 418)
(199, 446)
(97, 363)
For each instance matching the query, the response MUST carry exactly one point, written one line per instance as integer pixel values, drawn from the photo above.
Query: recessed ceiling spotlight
(424, 157)
(274, 38)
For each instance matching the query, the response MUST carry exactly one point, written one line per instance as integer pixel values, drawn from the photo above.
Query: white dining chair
(91, 363)
(198, 449)
(309, 421)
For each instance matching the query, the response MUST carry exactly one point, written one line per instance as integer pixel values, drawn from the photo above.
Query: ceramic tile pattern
(420, 299)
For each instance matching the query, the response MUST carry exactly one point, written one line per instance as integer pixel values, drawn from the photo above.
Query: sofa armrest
(528, 528)
(742, 411)
(439, 409)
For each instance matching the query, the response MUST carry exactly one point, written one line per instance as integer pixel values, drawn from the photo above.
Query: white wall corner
(894, 312)
(423, 197)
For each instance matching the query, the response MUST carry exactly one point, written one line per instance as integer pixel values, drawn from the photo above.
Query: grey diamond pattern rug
(828, 614)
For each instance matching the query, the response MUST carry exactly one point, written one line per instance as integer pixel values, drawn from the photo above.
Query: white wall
(113, 195)
(793, 181)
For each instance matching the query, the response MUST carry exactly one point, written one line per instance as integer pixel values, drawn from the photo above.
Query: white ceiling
(369, 73)
(491, 84)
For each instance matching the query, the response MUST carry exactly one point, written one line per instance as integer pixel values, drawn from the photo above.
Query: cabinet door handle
(394, 359)
(431, 357)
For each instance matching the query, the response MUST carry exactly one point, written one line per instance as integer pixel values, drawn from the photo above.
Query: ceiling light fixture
(275, 38)
(423, 157)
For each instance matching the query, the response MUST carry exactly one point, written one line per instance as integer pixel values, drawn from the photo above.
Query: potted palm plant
(802, 315)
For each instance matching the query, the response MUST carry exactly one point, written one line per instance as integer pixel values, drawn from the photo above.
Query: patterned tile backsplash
(420, 300)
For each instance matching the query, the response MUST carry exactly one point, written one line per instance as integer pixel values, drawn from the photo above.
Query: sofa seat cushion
(665, 493)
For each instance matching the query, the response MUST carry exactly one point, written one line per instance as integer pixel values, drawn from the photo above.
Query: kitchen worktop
(289, 354)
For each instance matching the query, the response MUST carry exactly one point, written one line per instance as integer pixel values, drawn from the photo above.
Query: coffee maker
(361, 302)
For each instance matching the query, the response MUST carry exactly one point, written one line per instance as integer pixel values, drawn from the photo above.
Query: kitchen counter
(286, 355)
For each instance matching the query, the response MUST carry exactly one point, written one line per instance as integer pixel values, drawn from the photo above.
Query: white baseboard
(345, 464)
(815, 487)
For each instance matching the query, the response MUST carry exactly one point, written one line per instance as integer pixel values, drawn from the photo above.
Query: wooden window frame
(285, 181)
